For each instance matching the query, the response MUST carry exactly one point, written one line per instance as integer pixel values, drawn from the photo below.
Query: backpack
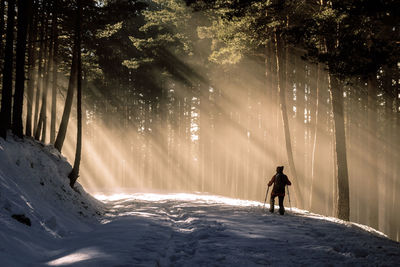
(280, 183)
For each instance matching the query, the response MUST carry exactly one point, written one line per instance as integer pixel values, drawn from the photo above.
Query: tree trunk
(282, 91)
(163, 133)
(343, 205)
(55, 76)
(5, 115)
(68, 102)
(41, 127)
(39, 84)
(392, 158)
(272, 99)
(2, 9)
(31, 70)
(24, 12)
(316, 143)
(373, 151)
(46, 83)
(204, 135)
(73, 176)
(341, 170)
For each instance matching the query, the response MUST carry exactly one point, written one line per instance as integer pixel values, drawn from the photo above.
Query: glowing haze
(220, 130)
(231, 144)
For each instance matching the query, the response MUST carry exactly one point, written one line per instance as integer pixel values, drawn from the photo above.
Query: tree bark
(373, 150)
(343, 201)
(2, 10)
(39, 84)
(41, 127)
(6, 99)
(55, 76)
(73, 176)
(68, 102)
(317, 134)
(31, 69)
(392, 158)
(49, 65)
(163, 133)
(24, 13)
(282, 101)
(204, 135)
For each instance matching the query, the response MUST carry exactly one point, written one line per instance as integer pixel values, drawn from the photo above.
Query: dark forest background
(211, 96)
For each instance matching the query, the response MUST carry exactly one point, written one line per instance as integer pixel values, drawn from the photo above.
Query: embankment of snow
(34, 189)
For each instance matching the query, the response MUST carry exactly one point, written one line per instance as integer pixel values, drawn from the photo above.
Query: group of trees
(35, 67)
(211, 96)
(334, 63)
(45, 36)
(353, 40)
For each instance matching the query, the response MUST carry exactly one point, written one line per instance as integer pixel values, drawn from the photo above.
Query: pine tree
(73, 176)
(6, 99)
(24, 13)
(32, 55)
(55, 73)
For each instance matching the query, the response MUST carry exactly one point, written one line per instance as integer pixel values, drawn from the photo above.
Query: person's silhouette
(279, 180)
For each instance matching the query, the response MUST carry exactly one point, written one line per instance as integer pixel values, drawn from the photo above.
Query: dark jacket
(279, 180)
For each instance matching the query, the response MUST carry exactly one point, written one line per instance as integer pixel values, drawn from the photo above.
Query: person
(280, 180)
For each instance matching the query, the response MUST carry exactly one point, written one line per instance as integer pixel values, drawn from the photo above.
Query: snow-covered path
(194, 230)
(158, 229)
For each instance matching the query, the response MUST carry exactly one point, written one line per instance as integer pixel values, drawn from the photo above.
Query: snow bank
(204, 230)
(34, 189)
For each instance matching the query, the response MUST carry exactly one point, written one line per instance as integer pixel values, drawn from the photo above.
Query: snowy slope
(34, 184)
(201, 230)
(160, 229)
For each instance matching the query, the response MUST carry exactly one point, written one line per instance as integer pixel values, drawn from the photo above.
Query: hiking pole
(266, 197)
(290, 205)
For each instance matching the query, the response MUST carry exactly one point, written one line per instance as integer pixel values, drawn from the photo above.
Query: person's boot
(281, 211)
(281, 207)
(271, 205)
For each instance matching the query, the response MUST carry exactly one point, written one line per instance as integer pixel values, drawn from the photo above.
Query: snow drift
(36, 199)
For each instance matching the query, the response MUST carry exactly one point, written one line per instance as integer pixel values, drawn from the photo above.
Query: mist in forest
(212, 96)
(191, 127)
(227, 138)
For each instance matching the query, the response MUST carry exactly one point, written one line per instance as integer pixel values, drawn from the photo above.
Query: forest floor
(71, 228)
(196, 230)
